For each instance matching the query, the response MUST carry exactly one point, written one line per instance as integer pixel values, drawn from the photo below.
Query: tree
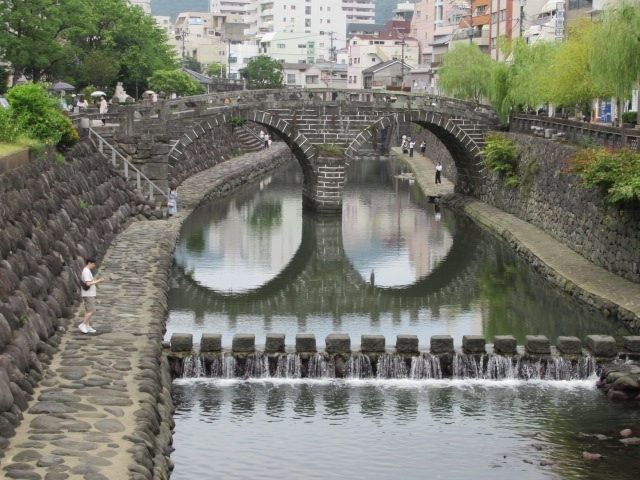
(34, 33)
(465, 72)
(216, 69)
(568, 80)
(264, 72)
(615, 58)
(174, 81)
(99, 69)
(192, 63)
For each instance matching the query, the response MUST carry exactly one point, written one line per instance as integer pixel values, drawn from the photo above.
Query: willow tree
(465, 72)
(615, 58)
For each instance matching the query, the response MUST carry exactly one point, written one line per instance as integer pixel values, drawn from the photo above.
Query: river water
(393, 264)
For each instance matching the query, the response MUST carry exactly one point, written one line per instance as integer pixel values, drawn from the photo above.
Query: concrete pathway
(87, 420)
(424, 171)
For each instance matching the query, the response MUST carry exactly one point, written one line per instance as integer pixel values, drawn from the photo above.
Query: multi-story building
(206, 37)
(289, 47)
(145, 5)
(327, 19)
(393, 43)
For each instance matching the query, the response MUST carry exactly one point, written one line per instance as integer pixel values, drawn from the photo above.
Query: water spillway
(535, 360)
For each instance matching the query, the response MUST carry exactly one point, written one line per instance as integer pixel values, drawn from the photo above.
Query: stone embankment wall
(53, 216)
(551, 199)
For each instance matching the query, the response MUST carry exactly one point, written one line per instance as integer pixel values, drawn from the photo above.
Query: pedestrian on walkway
(412, 145)
(403, 140)
(438, 173)
(89, 295)
(423, 148)
(266, 140)
(172, 203)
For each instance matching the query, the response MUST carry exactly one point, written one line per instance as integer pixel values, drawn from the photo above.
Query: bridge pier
(322, 193)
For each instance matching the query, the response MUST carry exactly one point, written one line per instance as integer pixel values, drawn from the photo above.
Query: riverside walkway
(84, 422)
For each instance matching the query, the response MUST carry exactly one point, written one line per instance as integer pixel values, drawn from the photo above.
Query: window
(503, 14)
(293, 7)
(291, 78)
(328, 20)
(307, 22)
(307, 10)
(321, 45)
(302, 45)
(311, 79)
(493, 43)
(494, 17)
(418, 13)
(373, 59)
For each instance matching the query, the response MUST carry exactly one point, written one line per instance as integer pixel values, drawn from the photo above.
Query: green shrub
(500, 155)
(629, 117)
(9, 131)
(328, 150)
(615, 174)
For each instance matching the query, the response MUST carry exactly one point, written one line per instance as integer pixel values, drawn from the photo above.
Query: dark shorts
(89, 304)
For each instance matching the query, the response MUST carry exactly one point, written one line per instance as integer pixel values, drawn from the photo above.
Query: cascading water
(289, 366)
(391, 366)
(498, 367)
(223, 366)
(192, 367)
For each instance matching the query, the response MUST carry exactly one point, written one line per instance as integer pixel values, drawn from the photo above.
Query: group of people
(408, 145)
(266, 139)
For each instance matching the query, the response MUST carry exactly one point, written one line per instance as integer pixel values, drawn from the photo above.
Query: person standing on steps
(438, 173)
(89, 295)
(172, 202)
(412, 145)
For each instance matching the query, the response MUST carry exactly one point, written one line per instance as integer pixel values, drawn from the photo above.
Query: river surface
(393, 264)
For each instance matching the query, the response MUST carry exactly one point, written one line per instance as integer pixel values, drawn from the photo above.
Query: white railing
(127, 165)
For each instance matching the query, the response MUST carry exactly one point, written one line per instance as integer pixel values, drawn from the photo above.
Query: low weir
(569, 359)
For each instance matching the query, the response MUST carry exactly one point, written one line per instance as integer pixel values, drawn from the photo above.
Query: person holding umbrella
(103, 108)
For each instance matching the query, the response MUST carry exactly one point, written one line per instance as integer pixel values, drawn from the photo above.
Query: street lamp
(402, 44)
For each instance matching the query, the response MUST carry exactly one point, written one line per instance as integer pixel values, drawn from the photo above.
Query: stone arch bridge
(312, 123)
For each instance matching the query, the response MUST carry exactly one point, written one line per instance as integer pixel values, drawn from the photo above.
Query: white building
(326, 19)
(145, 5)
(289, 47)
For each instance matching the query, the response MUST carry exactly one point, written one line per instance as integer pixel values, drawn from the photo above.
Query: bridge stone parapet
(363, 123)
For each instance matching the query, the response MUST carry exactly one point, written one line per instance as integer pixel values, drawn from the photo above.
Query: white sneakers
(90, 329)
(86, 328)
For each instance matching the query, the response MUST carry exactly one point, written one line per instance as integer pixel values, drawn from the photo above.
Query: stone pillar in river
(323, 191)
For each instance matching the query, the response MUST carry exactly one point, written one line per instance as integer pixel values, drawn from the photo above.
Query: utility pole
(402, 44)
(331, 59)
(522, 4)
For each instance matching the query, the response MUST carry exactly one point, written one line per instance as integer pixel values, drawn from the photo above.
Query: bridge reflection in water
(255, 263)
(319, 281)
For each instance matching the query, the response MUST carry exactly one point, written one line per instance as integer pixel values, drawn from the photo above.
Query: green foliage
(37, 116)
(630, 117)
(500, 155)
(9, 131)
(5, 73)
(192, 63)
(567, 80)
(615, 174)
(465, 72)
(22, 319)
(174, 81)
(60, 159)
(83, 204)
(82, 41)
(615, 58)
(237, 122)
(216, 69)
(264, 72)
(328, 150)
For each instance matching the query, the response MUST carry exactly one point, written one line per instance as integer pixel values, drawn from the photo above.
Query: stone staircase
(248, 138)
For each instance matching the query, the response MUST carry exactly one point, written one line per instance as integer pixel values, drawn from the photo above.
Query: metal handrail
(127, 164)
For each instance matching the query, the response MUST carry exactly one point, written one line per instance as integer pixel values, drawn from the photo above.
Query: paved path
(559, 263)
(85, 420)
(424, 170)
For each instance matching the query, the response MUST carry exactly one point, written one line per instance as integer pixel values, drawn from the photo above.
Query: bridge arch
(463, 147)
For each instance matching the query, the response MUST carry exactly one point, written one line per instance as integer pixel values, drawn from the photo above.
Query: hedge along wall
(551, 199)
(52, 217)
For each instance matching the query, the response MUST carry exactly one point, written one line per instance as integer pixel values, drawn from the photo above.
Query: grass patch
(7, 148)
